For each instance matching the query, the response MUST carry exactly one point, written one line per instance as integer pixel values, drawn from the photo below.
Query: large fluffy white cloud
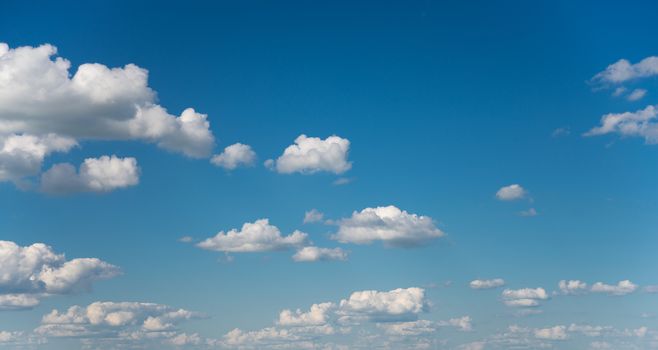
(487, 284)
(312, 154)
(389, 224)
(102, 174)
(641, 123)
(32, 272)
(621, 288)
(511, 192)
(525, 297)
(311, 254)
(258, 236)
(45, 107)
(623, 71)
(234, 156)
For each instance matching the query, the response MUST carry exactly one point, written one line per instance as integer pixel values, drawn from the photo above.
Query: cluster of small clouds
(577, 287)
(640, 123)
(394, 312)
(47, 108)
(516, 336)
(390, 225)
(30, 273)
(120, 321)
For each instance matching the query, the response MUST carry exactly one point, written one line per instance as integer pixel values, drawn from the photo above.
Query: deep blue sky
(443, 102)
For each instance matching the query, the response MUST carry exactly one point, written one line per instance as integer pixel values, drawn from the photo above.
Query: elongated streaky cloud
(621, 288)
(45, 108)
(636, 94)
(33, 272)
(258, 236)
(623, 71)
(487, 284)
(511, 192)
(311, 254)
(312, 154)
(234, 156)
(103, 174)
(394, 227)
(641, 123)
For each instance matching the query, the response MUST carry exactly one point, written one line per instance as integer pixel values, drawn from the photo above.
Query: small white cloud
(258, 236)
(390, 225)
(552, 333)
(234, 156)
(487, 284)
(572, 287)
(342, 181)
(312, 216)
(622, 71)
(186, 239)
(640, 123)
(311, 154)
(103, 174)
(511, 192)
(619, 91)
(528, 213)
(395, 305)
(311, 254)
(559, 132)
(525, 297)
(23, 155)
(317, 315)
(637, 94)
(621, 288)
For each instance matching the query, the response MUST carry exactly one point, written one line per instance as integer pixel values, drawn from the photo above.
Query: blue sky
(420, 118)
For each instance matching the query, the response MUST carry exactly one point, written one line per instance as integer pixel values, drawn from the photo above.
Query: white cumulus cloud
(311, 254)
(258, 236)
(32, 272)
(402, 304)
(45, 107)
(511, 192)
(312, 154)
(525, 297)
(621, 288)
(641, 123)
(312, 216)
(623, 71)
(390, 225)
(103, 174)
(234, 156)
(572, 287)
